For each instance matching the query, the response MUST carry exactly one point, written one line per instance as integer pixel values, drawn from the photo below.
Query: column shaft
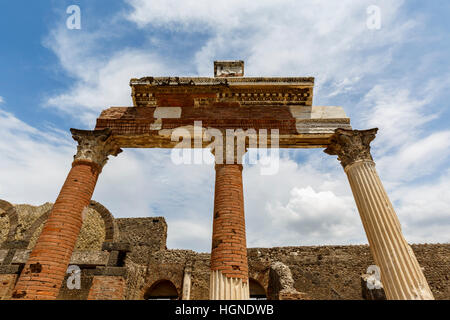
(46, 267)
(229, 264)
(401, 274)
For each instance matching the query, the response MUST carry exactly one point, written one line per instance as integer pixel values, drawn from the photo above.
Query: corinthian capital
(351, 145)
(95, 146)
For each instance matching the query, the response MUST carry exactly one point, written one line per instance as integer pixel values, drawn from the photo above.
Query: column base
(225, 288)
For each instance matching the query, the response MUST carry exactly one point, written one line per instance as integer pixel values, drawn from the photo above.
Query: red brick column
(46, 267)
(229, 264)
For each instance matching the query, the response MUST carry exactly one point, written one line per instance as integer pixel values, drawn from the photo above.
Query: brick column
(401, 274)
(229, 264)
(46, 267)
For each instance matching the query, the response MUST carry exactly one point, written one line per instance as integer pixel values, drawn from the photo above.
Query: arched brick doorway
(162, 290)
(257, 291)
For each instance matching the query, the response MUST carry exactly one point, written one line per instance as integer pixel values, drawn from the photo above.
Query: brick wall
(107, 288)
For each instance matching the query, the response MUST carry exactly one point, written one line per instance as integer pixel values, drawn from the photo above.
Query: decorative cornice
(351, 145)
(95, 146)
(166, 81)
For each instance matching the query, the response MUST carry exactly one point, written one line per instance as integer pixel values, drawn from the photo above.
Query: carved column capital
(95, 146)
(351, 145)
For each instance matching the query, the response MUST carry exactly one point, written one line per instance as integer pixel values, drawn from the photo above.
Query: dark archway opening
(257, 291)
(162, 290)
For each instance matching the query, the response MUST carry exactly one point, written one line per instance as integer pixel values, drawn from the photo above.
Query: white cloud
(312, 217)
(424, 210)
(325, 39)
(100, 81)
(391, 108)
(417, 159)
(2, 100)
(33, 163)
(328, 40)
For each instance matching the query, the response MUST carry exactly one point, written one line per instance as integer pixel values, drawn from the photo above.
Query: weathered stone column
(46, 267)
(229, 264)
(401, 274)
(187, 281)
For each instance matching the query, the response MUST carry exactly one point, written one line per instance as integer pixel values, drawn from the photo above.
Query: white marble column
(401, 274)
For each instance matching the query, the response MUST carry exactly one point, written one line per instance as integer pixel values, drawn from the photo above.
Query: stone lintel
(15, 244)
(116, 246)
(10, 269)
(153, 127)
(111, 271)
(92, 258)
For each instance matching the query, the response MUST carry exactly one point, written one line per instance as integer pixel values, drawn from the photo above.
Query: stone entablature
(184, 92)
(162, 105)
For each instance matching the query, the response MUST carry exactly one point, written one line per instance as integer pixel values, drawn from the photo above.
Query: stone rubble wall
(318, 272)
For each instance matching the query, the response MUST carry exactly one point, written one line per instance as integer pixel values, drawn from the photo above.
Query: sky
(394, 75)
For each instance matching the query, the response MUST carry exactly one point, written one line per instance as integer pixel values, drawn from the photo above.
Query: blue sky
(395, 78)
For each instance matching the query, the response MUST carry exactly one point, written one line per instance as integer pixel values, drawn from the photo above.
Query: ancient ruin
(129, 259)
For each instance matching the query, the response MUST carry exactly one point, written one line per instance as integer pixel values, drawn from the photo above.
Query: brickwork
(46, 267)
(7, 282)
(107, 288)
(229, 249)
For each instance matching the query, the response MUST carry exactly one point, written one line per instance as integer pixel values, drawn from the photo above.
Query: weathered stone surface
(111, 271)
(31, 222)
(78, 257)
(145, 235)
(85, 258)
(229, 68)
(7, 282)
(281, 283)
(116, 246)
(21, 256)
(3, 254)
(10, 269)
(16, 244)
(322, 272)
